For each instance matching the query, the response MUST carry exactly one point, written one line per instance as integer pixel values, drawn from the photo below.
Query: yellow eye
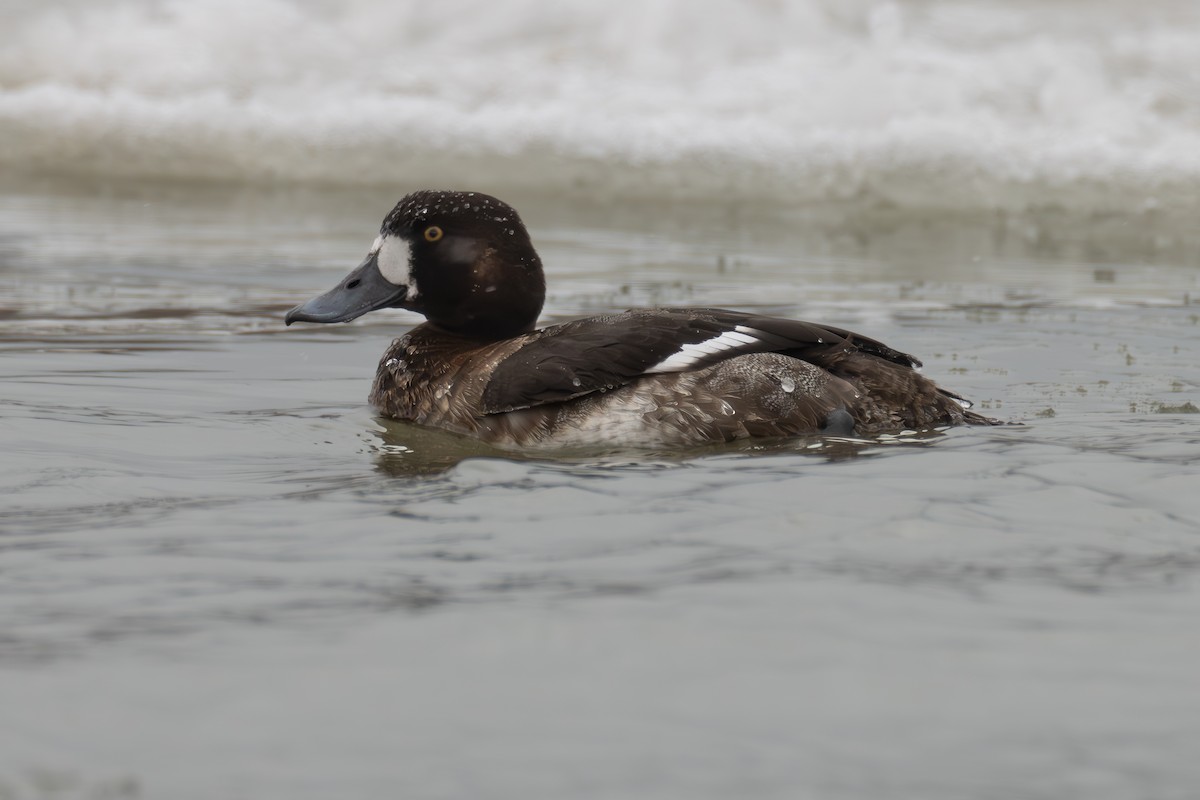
(433, 233)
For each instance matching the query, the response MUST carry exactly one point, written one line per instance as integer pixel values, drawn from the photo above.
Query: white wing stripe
(691, 354)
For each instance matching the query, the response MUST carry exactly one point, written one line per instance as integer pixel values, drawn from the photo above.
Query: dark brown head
(462, 259)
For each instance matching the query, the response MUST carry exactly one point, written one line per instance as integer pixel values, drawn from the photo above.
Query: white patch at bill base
(395, 262)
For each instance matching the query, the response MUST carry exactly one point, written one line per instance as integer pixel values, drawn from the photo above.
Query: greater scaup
(654, 377)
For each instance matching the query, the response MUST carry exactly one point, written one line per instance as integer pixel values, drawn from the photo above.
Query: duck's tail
(969, 417)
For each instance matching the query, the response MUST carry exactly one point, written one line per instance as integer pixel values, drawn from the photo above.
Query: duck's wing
(606, 352)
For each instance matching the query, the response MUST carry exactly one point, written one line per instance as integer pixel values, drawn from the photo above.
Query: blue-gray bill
(363, 290)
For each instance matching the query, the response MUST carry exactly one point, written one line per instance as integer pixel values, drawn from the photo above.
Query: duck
(653, 377)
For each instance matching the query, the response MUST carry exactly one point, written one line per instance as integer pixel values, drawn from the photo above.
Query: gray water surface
(222, 576)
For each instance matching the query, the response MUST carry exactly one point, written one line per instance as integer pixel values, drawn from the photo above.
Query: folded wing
(607, 352)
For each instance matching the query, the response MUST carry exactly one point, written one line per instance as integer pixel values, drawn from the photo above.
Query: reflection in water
(405, 449)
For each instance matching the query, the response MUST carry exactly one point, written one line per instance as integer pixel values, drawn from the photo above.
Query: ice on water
(992, 104)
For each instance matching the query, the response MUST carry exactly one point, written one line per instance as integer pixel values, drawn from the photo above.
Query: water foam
(992, 105)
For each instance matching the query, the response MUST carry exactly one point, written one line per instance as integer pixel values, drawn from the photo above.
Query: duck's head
(462, 259)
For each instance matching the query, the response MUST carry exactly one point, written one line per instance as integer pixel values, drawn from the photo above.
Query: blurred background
(222, 576)
(987, 105)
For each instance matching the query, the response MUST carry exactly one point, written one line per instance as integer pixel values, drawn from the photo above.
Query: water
(221, 576)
